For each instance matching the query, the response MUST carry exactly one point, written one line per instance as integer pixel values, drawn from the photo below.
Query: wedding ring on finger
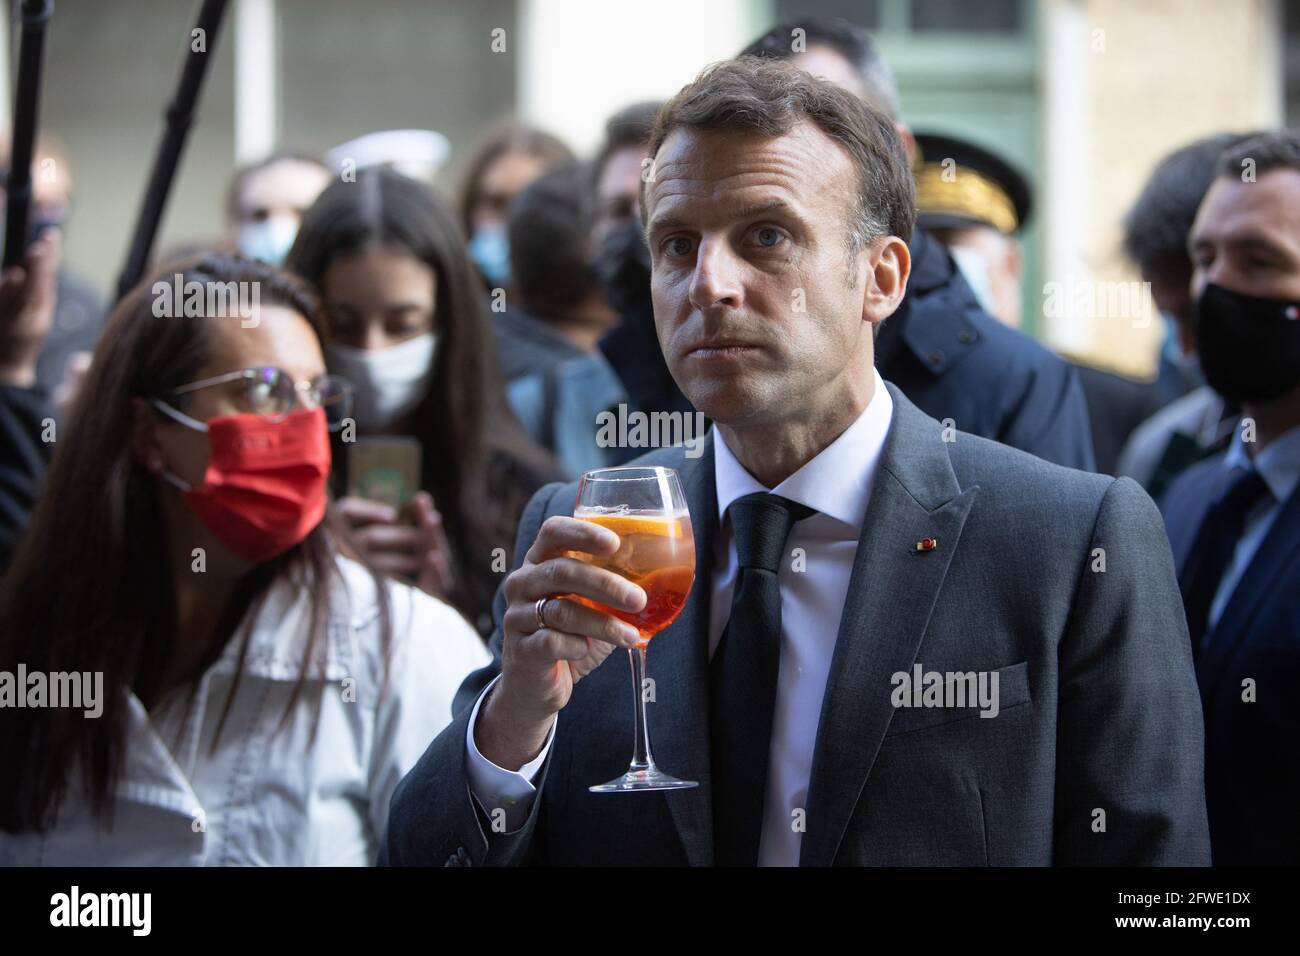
(539, 611)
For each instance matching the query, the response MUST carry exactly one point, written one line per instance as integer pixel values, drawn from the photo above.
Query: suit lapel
(891, 593)
(1275, 552)
(678, 662)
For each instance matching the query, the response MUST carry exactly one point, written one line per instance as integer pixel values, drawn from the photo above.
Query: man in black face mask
(1234, 520)
(621, 261)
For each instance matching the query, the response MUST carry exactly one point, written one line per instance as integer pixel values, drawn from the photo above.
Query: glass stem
(641, 757)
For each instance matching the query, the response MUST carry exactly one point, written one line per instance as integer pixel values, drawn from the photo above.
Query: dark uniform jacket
(955, 361)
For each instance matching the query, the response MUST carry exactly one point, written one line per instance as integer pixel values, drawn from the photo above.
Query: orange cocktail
(644, 506)
(657, 552)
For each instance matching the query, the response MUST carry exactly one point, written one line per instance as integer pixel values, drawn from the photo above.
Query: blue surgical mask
(1171, 351)
(490, 251)
(268, 240)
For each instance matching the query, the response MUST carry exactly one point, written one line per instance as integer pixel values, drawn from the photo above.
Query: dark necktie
(743, 674)
(1212, 552)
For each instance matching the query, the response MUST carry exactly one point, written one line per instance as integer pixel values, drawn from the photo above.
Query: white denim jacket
(268, 797)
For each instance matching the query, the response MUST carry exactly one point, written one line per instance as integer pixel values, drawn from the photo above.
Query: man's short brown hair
(769, 97)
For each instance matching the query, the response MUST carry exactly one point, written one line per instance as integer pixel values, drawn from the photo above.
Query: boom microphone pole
(179, 116)
(35, 17)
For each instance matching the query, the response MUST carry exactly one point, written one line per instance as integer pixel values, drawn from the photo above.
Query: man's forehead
(290, 179)
(1268, 206)
(803, 163)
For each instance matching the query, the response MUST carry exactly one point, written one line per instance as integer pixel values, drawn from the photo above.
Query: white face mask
(976, 273)
(389, 382)
(270, 239)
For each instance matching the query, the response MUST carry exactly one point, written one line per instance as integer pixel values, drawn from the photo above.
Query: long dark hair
(90, 588)
(479, 463)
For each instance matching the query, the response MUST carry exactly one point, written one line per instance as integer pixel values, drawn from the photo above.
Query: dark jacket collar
(933, 322)
(932, 266)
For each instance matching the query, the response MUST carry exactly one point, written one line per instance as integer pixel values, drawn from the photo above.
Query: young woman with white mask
(409, 329)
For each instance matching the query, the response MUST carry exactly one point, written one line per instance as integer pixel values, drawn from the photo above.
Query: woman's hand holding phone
(409, 543)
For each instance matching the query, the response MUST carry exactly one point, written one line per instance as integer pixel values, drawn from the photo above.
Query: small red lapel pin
(927, 544)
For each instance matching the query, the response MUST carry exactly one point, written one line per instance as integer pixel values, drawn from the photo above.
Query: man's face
(1171, 290)
(51, 188)
(51, 191)
(822, 60)
(1247, 236)
(991, 259)
(618, 190)
(504, 179)
(762, 314)
(284, 189)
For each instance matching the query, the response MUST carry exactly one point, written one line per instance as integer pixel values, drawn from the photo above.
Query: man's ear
(890, 263)
(145, 448)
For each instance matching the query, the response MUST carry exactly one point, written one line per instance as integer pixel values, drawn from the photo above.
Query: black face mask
(622, 266)
(1249, 348)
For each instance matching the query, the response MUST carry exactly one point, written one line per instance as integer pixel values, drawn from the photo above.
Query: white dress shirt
(272, 796)
(814, 581)
(1278, 464)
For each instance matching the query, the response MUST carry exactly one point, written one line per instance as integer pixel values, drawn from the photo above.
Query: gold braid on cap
(964, 193)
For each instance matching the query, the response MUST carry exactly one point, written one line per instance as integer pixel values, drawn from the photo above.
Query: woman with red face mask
(203, 670)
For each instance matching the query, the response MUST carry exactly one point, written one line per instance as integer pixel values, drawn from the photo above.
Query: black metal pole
(179, 116)
(35, 17)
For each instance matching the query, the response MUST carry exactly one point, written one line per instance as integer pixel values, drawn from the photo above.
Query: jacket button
(966, 337)
(935, 358)
(459, 858)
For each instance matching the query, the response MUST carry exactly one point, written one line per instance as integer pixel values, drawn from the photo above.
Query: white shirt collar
(836, 482)
(278, 642)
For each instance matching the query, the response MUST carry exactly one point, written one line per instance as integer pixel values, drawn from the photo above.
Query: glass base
(651, 779)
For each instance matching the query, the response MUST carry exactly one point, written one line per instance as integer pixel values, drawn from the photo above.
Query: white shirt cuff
(497, 789)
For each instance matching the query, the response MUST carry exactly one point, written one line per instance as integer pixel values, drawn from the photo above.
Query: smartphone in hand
(386, 469)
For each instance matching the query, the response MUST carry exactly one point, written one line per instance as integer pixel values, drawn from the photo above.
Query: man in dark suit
(858, 563)
(1196, 422)
(1234, 519)
(948, 354)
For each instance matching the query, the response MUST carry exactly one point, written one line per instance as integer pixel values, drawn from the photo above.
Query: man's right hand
(539, 666)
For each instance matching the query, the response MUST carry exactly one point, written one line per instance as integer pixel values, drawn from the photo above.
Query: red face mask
(264, 490)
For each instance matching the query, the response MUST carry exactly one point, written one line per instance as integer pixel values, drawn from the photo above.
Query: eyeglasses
(273, 393)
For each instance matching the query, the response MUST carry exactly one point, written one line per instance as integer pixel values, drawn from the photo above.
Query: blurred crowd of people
(187, 503)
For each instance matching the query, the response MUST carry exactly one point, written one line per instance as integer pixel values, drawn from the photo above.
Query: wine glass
(645, 507)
